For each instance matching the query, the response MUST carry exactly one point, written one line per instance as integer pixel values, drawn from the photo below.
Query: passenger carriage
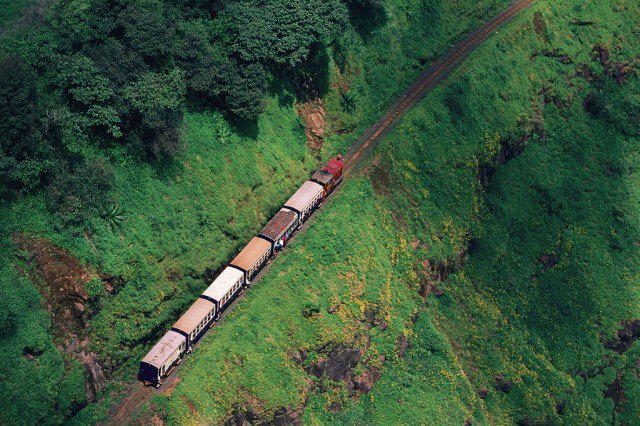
(252, 258)
(162, 358)
(195, 321)
(224, 288)
(305, 200)
(280, 228)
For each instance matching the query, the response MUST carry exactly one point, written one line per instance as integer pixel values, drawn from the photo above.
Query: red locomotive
(330, 175)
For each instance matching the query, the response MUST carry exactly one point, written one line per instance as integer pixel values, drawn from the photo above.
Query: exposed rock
(402, 345)
(317, 368)
(483, 392)
(383, 325)
(503, 385)
(298, 356)
(285, 417)
(625, 337)
(615, 391)
(364, 383)
(63, 279)
(312, 113)
(340, 362)
(438, 292)
(337, 365)
(94, 376)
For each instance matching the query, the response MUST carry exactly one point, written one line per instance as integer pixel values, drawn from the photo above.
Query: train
(169, 351)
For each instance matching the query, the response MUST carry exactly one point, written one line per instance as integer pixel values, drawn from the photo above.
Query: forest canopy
(95, 74)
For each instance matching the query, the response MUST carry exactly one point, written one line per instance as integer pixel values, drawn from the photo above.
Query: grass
(175, 224)
(183, 220)
(503, 312)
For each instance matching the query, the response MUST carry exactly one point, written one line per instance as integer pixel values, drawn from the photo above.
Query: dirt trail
(119, 414)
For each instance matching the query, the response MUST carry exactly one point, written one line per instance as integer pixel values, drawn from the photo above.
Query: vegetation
(152, 139)
(520, 216)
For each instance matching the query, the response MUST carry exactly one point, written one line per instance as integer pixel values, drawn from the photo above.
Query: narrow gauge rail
(179, 340)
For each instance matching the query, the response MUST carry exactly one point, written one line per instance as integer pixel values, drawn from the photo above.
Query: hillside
(107, 238)
(481, 267)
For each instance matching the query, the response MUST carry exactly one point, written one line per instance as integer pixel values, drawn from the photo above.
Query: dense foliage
(152, 139)
(509, 196)
(102, 73)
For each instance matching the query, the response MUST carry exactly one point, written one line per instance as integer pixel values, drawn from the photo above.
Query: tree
(89, 93)
(159, 136)
(282, 31)
(148, 29)
(245, 88)
(24, 151)
(157, 91)
(81, 193)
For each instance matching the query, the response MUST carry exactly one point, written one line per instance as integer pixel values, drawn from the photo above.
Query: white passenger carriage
(224, 288)
(305, 200)
(162, 358)
(193, 322)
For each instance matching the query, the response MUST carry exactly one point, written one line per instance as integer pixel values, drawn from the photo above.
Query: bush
(83, 193)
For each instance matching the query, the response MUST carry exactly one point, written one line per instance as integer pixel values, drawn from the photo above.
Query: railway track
(139, 394)
(437, 72)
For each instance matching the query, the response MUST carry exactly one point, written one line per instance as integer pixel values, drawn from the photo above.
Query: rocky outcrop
(503, 385)
(624, 338)
(312, 113)
(62, 281)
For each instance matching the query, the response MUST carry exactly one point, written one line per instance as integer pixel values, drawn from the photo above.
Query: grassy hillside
(509, 197)
(171, 224)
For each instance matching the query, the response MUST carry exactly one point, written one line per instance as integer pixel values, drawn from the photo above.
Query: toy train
(178, 341)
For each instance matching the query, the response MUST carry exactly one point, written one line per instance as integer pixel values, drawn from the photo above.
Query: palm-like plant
(223, 133)
(348, 102)
(114, 216)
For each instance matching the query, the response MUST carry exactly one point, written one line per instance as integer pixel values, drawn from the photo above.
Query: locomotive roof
(251, 253)
(322, 176)
(279, 223)
(163, 350)
(221, 285)
(304, 196)
(333, 165)
(196, 313)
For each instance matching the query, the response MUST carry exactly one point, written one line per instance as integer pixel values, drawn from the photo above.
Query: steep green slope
(170, 225)
(509, 196)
